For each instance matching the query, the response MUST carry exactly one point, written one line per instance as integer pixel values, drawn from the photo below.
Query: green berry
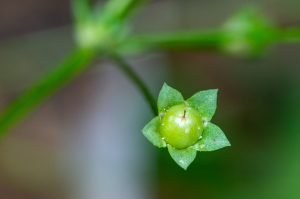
(181, 126)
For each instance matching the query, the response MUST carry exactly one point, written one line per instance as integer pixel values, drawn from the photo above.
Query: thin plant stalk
(137, 81)
(73, 65)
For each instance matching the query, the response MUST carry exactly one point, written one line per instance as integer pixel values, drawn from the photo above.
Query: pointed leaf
(168, 97)
(151, 132)
(213, 138)
(205, 102)
(183, 157)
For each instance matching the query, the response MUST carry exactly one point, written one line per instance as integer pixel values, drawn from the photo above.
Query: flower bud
(246, 34)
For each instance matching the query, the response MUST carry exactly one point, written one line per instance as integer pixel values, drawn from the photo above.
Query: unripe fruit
(181, 126)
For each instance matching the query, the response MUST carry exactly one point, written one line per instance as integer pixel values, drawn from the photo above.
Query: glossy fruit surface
(181, 126)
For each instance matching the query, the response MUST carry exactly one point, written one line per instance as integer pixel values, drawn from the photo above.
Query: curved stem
(125, 67)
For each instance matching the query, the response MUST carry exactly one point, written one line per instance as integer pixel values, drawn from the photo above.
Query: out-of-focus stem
(209, 39)
(73, 65)
(287, 35)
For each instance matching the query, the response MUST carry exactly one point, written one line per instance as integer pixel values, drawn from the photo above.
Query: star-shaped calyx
(184, 126)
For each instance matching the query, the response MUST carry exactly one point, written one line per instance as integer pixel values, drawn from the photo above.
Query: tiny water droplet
(162, 124)
(163, 138)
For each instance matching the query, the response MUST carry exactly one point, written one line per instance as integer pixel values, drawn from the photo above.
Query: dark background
(85, 141)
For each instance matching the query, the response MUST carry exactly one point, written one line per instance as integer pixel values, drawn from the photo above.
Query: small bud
(246, 34)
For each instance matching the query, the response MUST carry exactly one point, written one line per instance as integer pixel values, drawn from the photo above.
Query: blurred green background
(85, 141)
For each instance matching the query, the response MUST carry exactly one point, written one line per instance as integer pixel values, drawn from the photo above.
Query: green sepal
(212, 139)
(167, 98)
(151, 132)
(183, 157)
(205, 102)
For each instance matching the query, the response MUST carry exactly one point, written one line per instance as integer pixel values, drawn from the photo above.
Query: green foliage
(167, 98)
(181, 125)
(205, 102)
(183, 157)
(151, 132)
(213, 138)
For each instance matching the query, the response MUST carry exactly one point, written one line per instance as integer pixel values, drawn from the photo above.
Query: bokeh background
(85, 141)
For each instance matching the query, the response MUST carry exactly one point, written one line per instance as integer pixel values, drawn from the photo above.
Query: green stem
(209, 39)
(121, 9)
(66, 71)
(82, 11)
(205, 39)
(125, 67)
(288, 35)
